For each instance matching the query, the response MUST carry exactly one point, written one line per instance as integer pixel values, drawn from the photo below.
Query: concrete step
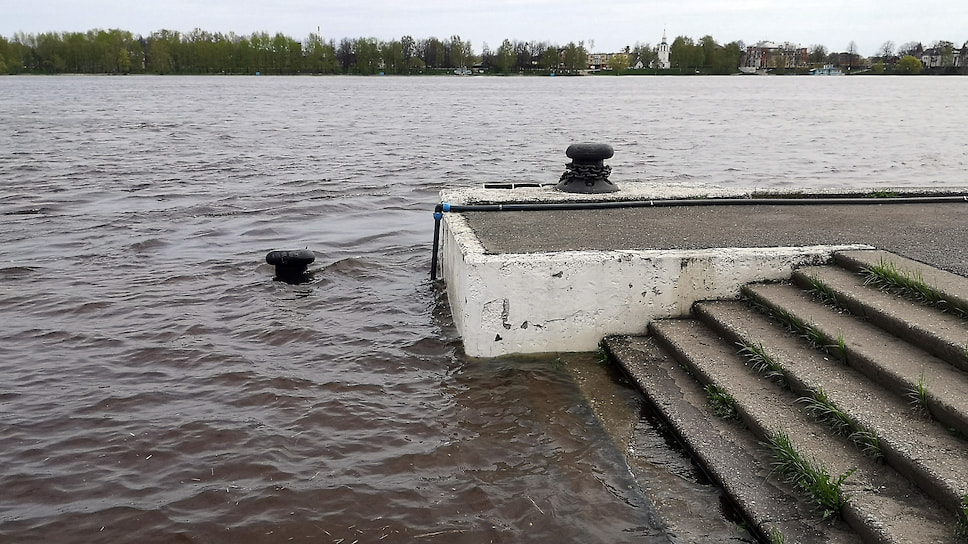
(943, 334)
(732, 457)
(952, 287)
(905, 370)
(921, 449)
(883, 506)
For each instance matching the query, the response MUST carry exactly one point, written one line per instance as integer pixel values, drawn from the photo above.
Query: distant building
(765, 55)
(599, 61)
(663, 52)
(938, 57)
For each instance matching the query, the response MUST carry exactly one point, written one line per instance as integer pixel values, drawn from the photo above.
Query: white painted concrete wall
(569, 301)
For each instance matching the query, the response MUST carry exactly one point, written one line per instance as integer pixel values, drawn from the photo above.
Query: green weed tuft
(761, 362)
(918, 396)
(961, 523)
(821, 291)
(885, 275)
(882, 194)
(821, 408)
(813, 335)
(825, 492)
(775, 536)
(722, 403)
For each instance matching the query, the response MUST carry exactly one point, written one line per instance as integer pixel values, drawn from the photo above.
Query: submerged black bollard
(291, 264)
(587, 173)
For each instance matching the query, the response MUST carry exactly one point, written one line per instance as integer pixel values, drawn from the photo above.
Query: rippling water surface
(157, 385)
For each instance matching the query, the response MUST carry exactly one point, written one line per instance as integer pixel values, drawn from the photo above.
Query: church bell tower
(664, 52)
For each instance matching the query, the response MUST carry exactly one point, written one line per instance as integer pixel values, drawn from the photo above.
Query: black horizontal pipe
(444, 207)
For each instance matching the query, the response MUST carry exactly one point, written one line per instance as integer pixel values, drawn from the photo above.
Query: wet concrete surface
(689, 505)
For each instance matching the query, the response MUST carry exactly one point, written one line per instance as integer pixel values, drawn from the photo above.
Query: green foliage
(202, 52)
(575, 57)
(918, 395)
(908, 65)
(618, 63)
(685, 54)
(822, 409)
(816, 337)
(961, 520)
(722, 403)
(761, 362)
(885, 275)
(821, 291)
(775, 536)
(808, 475)
(882, 194)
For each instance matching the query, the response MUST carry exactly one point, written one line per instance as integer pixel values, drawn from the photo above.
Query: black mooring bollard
(291, 264)
(587, 173)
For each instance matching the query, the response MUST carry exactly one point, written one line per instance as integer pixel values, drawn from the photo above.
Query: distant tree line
(202, 52)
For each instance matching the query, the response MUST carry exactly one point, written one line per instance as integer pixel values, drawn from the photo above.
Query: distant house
(599, 61)
(944, 57)
(765, 55)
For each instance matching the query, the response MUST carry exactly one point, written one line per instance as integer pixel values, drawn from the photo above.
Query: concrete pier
(866, 384)
(561, 280)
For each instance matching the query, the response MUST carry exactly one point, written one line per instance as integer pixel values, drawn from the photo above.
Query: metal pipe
(697, 202)
(438, 215)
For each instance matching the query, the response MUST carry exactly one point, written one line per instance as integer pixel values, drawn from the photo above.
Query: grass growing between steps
(822, 292)
(822, 409)
(808, 475)
(885, 275)
(962, 522)
(722, 403)
(817, 339)
(761, 362)
(918, 395)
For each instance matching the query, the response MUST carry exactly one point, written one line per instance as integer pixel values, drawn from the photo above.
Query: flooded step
(902, 368)
(731, 456)
(881, 505)
(943, 334)
(915, 446)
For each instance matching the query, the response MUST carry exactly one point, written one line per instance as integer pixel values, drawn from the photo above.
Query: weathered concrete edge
(650, 190)
(568, 301)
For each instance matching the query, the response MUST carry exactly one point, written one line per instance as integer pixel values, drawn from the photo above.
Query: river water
(156, 385)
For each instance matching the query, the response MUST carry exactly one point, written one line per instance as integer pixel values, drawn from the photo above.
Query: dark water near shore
(157, 386)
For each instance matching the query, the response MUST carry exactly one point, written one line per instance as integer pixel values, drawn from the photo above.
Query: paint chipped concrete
(569, 300)
(509, 295)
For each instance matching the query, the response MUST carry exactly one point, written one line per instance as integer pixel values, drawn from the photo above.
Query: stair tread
(735, 459)
(943, 334)
(883, 357)
(912, 443)
(899, 510)
(952, 286)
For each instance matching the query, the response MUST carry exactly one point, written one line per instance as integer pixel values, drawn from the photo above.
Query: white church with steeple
(663, 53)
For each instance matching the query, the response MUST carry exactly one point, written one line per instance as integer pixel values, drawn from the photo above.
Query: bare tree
(818, 53)
(887, 50)
(851, 53)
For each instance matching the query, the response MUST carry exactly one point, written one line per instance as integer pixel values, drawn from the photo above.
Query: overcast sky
(604, 25)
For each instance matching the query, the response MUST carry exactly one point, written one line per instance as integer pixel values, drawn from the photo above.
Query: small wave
(27, 211)
(18, 272)
(148, 245)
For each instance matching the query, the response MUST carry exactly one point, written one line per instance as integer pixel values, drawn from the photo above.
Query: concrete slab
(561, 280)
